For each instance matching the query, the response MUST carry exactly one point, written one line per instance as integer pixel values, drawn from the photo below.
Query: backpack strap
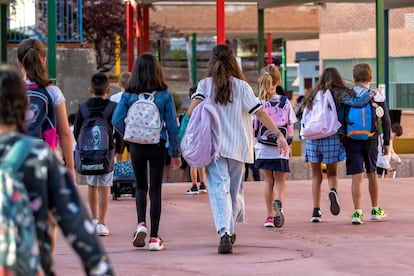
(17, 154)
(283, 100)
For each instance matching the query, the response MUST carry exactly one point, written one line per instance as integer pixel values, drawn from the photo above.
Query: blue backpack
(360, 122)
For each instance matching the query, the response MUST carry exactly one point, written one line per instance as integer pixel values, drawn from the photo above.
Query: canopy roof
(388, 4)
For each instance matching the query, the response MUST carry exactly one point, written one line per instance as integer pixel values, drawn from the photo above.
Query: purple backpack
(197, 146)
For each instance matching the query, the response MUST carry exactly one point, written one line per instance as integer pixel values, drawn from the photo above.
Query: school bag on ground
(143, 122)
(279, 113)
(322, 120)
(19, 251)
(41, 116)
(94, 148)
(197, 146)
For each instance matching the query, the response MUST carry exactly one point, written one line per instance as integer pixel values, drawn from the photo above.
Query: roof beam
(388, 4)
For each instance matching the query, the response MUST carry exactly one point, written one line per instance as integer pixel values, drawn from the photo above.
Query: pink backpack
(322, 120)
(279, 112)
(197, 146)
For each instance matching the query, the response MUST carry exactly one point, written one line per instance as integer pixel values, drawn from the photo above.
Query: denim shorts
(360, 154)
(326, 150)
(104, 180)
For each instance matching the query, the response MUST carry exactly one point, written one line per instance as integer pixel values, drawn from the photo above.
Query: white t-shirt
(116, 97)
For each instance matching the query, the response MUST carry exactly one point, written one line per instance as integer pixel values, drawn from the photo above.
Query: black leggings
(154, 155)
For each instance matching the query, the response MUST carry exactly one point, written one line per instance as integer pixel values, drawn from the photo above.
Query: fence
(28, 18)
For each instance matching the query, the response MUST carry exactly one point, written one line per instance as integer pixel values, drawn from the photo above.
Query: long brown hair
(13, 98)
(221, 67)
(269, 78)
(330, 79)
(31, 54)
(146, 75)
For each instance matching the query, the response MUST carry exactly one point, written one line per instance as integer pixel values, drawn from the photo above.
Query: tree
(102, 21)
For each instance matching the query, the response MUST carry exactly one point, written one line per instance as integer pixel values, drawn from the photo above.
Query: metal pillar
(51, 39)
(145, 27)
(3, 32)
(269, 48)
(260, 39)
(194, 58)
(138, 29)
(387, 57)
(380, 43)
(284, 67)
(221, 37)
(130, 34)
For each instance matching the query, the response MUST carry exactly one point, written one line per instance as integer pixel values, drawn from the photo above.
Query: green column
(284, 65)
(51, 39)
(380, 42)
(3, 32)
(194, 58)
(260, 39)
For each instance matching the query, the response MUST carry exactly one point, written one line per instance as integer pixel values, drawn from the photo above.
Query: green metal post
(260, 39)
(51, 39)
(3, 32)
(380, 43)
(284, 67)
(194, 59)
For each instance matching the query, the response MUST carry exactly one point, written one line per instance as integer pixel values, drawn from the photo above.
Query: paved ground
(332, 247)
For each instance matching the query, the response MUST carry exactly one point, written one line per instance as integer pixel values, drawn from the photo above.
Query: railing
(28, 18)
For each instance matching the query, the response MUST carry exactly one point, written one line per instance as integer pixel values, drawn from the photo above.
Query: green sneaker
(357, 218)
(377, 214)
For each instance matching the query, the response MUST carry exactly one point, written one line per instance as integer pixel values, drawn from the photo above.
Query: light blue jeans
(225, 190)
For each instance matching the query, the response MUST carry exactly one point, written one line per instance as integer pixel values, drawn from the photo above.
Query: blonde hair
(269, 78)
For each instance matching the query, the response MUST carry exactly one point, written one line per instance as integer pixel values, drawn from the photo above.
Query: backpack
(279, 113)
(41, 116)
(322, 120)
(359, 122)
(19, 252)
(94, 148)
(197, 147)
(143, 123)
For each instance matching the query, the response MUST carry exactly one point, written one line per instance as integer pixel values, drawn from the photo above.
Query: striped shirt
(236, 124)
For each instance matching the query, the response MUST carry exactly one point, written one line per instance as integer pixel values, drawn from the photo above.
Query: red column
(221, 37)
(269, 48)
(130, 35)
(146, 28)
(138, 29)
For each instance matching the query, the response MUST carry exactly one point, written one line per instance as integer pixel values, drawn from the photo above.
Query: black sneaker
(333, 197)
(233, 238)
(192, 191)
(203, 188)
(225, 245)
(317, 215)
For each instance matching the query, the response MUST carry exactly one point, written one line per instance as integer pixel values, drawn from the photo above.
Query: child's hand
(175, 162)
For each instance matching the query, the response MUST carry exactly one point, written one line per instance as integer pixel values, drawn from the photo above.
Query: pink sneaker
(269, 222)
(156, 244)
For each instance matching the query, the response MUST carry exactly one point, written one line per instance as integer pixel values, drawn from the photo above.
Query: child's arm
(356, 101)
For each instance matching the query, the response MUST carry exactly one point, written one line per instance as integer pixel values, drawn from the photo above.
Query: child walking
(363, 154)
(99, 185)
(147, 77)
(194, 172)
(268, 159)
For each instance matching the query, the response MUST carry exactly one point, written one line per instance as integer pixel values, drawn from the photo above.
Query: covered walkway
(332, 247)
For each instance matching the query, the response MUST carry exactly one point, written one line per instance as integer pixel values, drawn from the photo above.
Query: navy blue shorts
(360, 154)
(276, 165)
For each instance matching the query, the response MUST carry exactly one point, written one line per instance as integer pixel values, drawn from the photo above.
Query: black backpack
(95, 143)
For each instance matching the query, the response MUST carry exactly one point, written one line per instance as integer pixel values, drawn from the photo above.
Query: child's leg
(93, 200)
(280, 183)
(103, 201)
(202, 175)
(332, 173)
(52, 229)
(373, 188)
(357, 180)
(268, 191)
(193, 175)
(316, 184)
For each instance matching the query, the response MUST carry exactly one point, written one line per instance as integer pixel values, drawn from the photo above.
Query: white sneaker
(95, 222)
(102, 230)
(139, 236)
(156, 244)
